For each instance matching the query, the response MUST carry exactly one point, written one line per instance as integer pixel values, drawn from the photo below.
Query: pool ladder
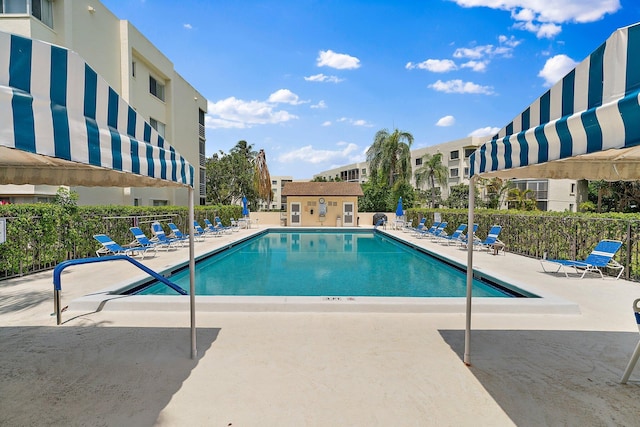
(57, 272)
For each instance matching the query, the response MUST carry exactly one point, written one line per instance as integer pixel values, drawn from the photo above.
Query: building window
(39, 9)
(136, 202)
(157, 125)
(419, 161)
(364, 172)
(274, 182)
(468, 152)
(453, 172)
(466, 172)
(454, 155)
(573, 189)
(156, 88)
(160, 203)
(13, 6)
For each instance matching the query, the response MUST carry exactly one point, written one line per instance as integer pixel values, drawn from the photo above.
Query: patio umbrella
(245, 210)
(399, 211)
(584, 127)
(62, 124)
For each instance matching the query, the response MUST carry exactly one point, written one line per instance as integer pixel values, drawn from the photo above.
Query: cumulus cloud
(544, 17)
(237, 113)
(475, 65)
(327, 123)
(340, 61)
(458, 86)
(556, 68)
(320, 105)
(285, 96)
(486, 131)
(433, 65)
(346, 153)
(354, 122)
(188, 26)
(322, 78)
(446, 121)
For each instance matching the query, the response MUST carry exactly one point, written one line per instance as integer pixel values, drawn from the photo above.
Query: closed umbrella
(399, 211)
(245, 210)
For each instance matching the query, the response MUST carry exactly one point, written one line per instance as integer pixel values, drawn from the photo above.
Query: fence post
(627, 273)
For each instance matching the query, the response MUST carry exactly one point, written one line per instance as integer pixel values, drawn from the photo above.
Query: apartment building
(133, 67)
(551, 194)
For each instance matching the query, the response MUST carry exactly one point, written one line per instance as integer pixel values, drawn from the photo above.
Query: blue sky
(311, 82)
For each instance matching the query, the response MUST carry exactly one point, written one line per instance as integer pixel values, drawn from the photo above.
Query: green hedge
(42, 235)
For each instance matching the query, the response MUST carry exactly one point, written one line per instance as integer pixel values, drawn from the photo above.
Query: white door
(347, 214)
(295, 214)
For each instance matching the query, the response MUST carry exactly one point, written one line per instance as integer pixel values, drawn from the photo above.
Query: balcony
(201, 131)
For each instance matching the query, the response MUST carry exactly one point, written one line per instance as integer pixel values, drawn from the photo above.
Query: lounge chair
(435, 233)
(463, 237)
(205, 232)
(601, 257)
(636, 353)
(453, 237)
(217, 226)
(419, 230)
(491, 243)
(234, 225)
(144, 241)
(418, 227)
(177, 234)
(160, 236)
(109, 247)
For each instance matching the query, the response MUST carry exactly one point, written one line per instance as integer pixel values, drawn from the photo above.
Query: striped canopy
(62, 124)
(587, 126)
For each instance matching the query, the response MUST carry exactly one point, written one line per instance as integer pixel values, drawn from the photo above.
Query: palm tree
(432, 171)
(262, 178)
(522, 199)
(390, 154)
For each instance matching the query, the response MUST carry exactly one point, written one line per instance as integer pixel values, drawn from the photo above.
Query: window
(468, 152)
(419, 161)
(160, 203)
(364, 172)
(466, 172)
(43, 10)
(453, 172)
(136, 202)
(274, 182)
(454, 155)
(573, 189)
(156, 88)
(157, 125)
(13, 6)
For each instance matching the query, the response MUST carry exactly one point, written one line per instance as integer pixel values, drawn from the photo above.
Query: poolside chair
(636, 353)
(435, 233)
(205, 232)
(177, 234)
(420, 226)
(160, 236)
(234, 225)
(601, 257)
(143, 241)
(217, 226)
(491, 243)
(463, 237)
(380, 223)
(419, 230)
(109, 247)
(453, 237)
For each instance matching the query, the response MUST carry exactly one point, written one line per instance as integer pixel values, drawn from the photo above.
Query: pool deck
(554, 361)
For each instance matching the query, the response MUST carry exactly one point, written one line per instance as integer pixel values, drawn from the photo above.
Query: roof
(322, 189)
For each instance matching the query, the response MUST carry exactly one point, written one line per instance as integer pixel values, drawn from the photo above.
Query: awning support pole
(192, 275)
(470, 237)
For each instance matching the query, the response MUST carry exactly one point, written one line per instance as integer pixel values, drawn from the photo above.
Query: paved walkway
(555, 365)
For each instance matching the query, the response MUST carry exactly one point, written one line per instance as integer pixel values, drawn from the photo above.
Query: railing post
(627, 273)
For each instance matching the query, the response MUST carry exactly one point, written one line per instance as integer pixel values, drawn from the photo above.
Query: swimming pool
(327, 263)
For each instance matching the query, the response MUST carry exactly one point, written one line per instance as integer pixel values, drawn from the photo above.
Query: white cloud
(322, 78)
(433, 65)
(285, 96)
(237, 113)
(458, 86)
(327, 123)
(310, 155)
(556, 68)
(446, 121)
(486, 131)
(340, 61)
(354, 122)
(188, 26)
(320, 105)
(543, 17)
(475, 65)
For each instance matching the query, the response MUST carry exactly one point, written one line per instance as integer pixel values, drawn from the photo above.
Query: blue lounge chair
(177, 234)
(491, 242)
(109, 247)
(636, 353)
(205, 232)
(143, 241)
(463, 237)
(418, 227)
(217, 226)
(455, 236)
(601, 257)
(160, 236)
(419, 231)
(435, 233)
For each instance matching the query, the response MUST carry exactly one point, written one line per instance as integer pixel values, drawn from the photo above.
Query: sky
(312, 81)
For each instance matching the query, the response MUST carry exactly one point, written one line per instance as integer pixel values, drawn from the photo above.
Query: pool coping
(107, 299)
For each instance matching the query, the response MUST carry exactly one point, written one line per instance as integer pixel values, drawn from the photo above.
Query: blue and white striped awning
(62, 124)
(587, 126)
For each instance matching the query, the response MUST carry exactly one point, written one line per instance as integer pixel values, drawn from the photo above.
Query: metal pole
(470, 236)
(56, 306)
(192, 275)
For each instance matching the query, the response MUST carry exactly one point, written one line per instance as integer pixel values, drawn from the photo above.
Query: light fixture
(91, 9)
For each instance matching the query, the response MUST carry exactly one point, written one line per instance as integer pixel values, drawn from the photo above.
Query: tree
(432, 171)
(231, 176)
(458, 197)
(262, 178)
(390, 156)
(495, 189)
(522, 199)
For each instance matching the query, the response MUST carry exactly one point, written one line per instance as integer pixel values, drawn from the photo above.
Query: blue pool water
(326, 263)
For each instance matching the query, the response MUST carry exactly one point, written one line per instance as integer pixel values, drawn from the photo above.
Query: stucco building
(133, 67)
(322, 204)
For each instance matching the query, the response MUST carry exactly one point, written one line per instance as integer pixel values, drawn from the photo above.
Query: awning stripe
(54, 104)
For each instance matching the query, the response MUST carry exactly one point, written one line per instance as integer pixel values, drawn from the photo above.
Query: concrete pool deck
(119, 366)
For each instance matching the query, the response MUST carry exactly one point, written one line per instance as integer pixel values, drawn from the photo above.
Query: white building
(551, 195)
(134, 68)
